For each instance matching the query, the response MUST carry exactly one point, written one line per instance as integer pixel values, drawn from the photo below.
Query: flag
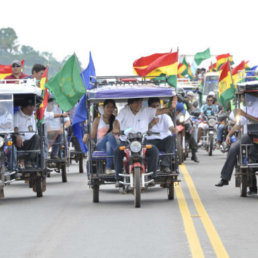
(251, 74)
(238, 73)
(182, 69)
(222, 59)
(157, 64)
(6, 70)
(226, 87)
(201, 56)
(80, 115)
(67, 86)
(45, 95)
(213, 67)
(87, 74)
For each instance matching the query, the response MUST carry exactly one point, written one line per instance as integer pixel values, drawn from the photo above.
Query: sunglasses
(16, 66)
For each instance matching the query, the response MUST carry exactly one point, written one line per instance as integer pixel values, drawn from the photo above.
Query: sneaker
(118, 184)
(109, 171)
(28, 164)
(54, 157)
(166, 170)
(200, 143)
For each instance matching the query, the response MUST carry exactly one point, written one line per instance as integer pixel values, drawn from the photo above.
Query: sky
(117, 32)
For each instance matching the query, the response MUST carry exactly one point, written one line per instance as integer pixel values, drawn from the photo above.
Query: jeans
(220, 129)
(108, 144)
(12, 157)
(152, 156)
(58, 142)
(231, 160)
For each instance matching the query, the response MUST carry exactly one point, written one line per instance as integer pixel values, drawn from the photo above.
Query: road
(202, 221)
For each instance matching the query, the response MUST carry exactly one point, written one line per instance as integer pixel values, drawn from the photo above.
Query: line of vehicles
(135, 177)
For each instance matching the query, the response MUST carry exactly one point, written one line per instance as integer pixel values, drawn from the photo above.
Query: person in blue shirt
(208, 109)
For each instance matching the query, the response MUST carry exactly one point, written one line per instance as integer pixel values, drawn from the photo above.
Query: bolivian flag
(182, 69)
(238, 73)
(213, 67)
(45, 95)
(157, 64)
(222, 59)
(6, 70)
(226, 87)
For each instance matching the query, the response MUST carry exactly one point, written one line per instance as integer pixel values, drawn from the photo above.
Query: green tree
(8, 40)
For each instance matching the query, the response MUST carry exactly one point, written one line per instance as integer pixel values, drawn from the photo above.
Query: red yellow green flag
(238, 73)
(6, 70)
(226, 87)
(213, 67)
(182, 69)
(222, 59)
(45, 95)
(157, 64)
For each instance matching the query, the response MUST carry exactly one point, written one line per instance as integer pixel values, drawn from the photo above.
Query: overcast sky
(117, 32)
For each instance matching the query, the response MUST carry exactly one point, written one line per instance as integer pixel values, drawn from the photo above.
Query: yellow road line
(191, 234)
(214, 238)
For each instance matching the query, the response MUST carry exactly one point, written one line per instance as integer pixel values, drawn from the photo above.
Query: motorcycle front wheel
(137, 187)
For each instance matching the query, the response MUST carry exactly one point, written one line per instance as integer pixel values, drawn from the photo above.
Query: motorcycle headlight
(135, 146)
(1, 142)
(212, 122)
(181, 119)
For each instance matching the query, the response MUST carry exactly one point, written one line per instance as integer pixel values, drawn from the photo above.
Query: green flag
(200, 56)
(66, 86)
(171, 80)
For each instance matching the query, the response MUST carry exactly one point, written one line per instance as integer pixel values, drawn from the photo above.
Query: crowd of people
(109, 123)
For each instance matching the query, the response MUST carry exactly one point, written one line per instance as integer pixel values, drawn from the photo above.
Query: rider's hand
(228, 141)
(115, 131)
(175, 130)
(154, 121)
(19, 142)
(174, 102)
(65, 114)
(85, 138)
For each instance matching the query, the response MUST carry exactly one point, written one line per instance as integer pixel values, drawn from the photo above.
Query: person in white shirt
(25, 129)
(249, 116)
(138, 118)
(164, 125)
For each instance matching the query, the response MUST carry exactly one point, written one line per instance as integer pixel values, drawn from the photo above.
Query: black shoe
(252, 191)
(166, 169)
(222, 182)
(54, 157)
(195, 159)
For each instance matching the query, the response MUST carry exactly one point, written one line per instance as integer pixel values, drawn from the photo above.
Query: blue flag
(88, 74)
(251, 72)
(80, 115)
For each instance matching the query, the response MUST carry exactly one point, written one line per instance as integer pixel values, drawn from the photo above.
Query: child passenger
(102, 131)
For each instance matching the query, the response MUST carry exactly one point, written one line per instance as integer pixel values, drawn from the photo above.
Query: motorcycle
(209, 140)
(135, 177)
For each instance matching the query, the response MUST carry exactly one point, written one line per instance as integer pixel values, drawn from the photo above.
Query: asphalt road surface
(202, 221)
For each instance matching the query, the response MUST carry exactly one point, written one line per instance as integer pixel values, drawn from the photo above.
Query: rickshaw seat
(99, 155)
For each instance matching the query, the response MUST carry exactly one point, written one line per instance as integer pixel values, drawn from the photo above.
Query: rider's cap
(16, 62)
(28, 102)
(190, 93)
(212, 93)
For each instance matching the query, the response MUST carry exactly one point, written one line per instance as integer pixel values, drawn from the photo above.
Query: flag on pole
(67, 86)
(238, 73)
(201, 56)
(226, 87)
(80, 115)
(88, 75)
(157, 64)
(41, 110)
(222, 59)
(182, 69)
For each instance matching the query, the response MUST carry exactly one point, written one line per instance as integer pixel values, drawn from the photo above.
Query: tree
(8, 40)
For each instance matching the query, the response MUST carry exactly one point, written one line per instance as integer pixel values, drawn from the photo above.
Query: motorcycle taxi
(247, 160)
(57, 143)
(135, 178)
(12, 168)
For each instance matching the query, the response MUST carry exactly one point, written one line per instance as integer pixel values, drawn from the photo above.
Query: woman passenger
(102, 131)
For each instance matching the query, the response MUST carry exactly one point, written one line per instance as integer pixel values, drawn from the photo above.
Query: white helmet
(190, 93)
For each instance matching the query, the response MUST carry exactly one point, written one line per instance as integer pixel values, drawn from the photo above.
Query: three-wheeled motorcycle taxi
(247, 160)
(135, 178)
(12, 95)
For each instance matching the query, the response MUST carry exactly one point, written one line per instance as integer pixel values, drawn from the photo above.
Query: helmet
(190, 93)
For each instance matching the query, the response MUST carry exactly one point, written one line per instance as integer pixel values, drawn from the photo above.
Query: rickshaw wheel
(64, 174)
(81, 164)
(2, 193)
(243, 186)
(171, 191)
(137, 187)
(38, 186)
(95, 190)
(211, 146)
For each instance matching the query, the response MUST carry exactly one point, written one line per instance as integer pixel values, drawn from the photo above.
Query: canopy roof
(127, 91)
(248, 87)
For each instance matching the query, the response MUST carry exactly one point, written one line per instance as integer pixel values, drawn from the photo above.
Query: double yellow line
(192, 236)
